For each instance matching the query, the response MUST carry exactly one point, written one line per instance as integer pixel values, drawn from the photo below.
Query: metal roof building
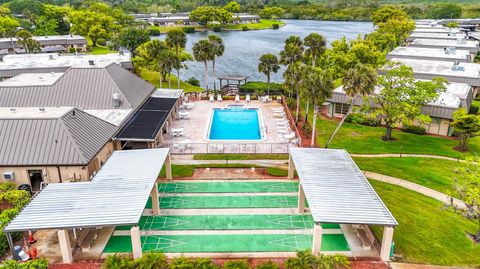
(110, 92)
(456, 95)
(5, 43)
(50, 136)
(470, 45)
(468, 73)
(116, 196)
(338, 192)
(145, 125)
(432, 30)
(14, 64)
(446, 36)
(448, 54)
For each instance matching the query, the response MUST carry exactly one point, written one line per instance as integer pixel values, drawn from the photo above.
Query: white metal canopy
(336, 190)
(117, 195)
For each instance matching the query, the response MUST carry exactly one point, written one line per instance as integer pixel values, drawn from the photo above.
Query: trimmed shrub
(101, 42)
(473, 109)
(189, 29)
(360, 118)
(260, 87)
(217, 29)
(193, 81)
(268, 265)
(291, 103)
(72, 50)
(414, 129)
(154, 31)
(307, 128)
(239, 264)
(275, 26)
(37, 264)
(245, 28)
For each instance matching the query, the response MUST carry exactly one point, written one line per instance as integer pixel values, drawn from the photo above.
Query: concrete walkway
(415, 187)
(398, 155)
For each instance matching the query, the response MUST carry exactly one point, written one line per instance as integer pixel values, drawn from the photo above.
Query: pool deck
(196, 127)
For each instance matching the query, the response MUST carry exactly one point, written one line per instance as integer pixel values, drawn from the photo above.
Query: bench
(362, 234)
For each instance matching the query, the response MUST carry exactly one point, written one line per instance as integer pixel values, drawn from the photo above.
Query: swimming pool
(235, 123)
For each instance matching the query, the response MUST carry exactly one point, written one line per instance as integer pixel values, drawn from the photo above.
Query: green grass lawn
(427, 233)
(99, 50)
(153, 77)
(432, 173)
(263, 24)
(357, 138)
(240, 156)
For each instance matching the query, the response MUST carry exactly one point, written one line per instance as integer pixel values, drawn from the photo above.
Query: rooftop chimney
(91, 62)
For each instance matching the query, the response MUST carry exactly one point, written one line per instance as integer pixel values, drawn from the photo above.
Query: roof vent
(1, 57)
(74, 113)
(41, 109)
(116, 100)
(50, 57)
(91, 62)
(13, 110)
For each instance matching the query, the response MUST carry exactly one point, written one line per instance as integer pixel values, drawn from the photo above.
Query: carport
(116, 196)
(337, 192)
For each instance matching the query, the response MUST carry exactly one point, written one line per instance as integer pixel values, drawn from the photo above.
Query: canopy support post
(136, 243)
(387, 240)
(291, 167)
(12, 247)
(168, 167)
(65, 245)
(301, 199)
(317, 239)
(155, 201)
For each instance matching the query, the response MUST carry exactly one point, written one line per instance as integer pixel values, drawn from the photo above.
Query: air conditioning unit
(9, 176)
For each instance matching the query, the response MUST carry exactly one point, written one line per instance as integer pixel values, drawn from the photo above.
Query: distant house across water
(54, 43)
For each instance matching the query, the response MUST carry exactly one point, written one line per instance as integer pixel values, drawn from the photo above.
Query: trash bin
(25, 187)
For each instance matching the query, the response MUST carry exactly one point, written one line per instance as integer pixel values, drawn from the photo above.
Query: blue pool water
(235, 123)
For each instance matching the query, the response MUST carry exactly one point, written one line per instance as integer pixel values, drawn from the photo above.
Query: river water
(243, 49)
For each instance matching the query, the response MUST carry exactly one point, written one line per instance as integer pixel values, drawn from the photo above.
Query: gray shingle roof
(82, 87)
(63, 139)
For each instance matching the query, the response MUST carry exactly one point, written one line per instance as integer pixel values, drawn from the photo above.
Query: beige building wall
(57, 174)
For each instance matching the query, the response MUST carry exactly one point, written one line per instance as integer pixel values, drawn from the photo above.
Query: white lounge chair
(282, 118)
(289, 136)
(237, 98)
(219, 98)
(284, 131)
(247, 98)
(278, 109)
(184, 115)
(211, 98)
(282, 124)
(279, 114)
(188, 106)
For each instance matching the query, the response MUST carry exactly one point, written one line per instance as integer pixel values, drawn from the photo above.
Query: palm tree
(304, 260)
(317, 86)
(292, 50)
(169, 62)
(218, 49)
(152, 260)
(292, 79)
(150, 55)
(358, 81)
(268, 63)
(316, 45)
(177, 39)
(203, 52)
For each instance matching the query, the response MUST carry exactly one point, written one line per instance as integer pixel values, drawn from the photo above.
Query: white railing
(231, 148)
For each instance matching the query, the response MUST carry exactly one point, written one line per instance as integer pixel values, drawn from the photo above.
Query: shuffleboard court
(228, 187)
(227, 243)
(202, 202)
(228, 222)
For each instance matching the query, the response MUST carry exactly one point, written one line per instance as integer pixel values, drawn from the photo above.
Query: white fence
(232, 148)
